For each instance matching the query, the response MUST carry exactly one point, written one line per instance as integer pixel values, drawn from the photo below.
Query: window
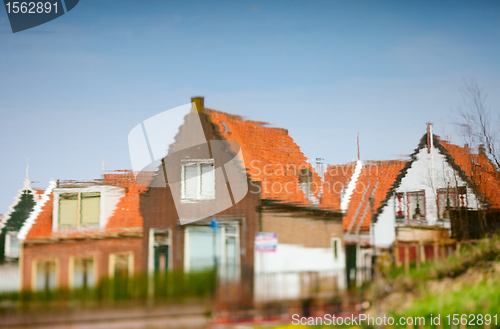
(45, 275)
(336, 248)
(410, 205)
(121, 265)
(416, 204)
(83, 273)
(77, 210)
(11, 245)
(201, 253)
(451, 198)
(198, 181)
(400, 206)
(121, 270)
(161, 252)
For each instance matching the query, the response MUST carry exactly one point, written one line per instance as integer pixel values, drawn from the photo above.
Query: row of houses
(330, 224)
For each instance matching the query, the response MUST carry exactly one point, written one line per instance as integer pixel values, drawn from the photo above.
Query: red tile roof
(479, 171)
(271, 156)
(476, 169)
(127, 213)
(42, 228)
(126, 216)
(376, 179)
(337, 178)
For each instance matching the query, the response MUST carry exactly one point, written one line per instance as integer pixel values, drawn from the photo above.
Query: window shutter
(91, 203)
(68, 210)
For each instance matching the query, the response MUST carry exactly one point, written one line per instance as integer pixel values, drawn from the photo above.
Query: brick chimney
(199, 101)
(481, 149)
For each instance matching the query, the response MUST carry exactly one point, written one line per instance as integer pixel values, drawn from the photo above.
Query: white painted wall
(385, 227)
(429, 172)
(284, 265)
(9, 274)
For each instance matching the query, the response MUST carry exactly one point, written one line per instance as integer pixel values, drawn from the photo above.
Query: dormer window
(79, 210)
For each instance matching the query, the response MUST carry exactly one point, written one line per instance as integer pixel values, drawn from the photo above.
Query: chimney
(430, 137)
(481, 149)
(200, 104)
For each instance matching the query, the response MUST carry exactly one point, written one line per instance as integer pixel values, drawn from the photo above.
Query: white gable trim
(23, 232)
(344, 204)
(17, 198)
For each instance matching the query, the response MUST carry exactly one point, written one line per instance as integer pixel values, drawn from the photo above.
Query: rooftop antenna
(358, 148)
(103, 166)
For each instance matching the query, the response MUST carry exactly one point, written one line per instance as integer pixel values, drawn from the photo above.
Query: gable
(453, 166)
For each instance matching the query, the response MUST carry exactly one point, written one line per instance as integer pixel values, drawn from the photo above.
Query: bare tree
(479, 127)
(478, 124)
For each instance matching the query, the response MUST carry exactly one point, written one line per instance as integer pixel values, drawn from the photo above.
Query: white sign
(266, 241)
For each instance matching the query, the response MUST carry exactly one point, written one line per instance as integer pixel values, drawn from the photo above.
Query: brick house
(281, 198)
(358, 189)
(81, 232)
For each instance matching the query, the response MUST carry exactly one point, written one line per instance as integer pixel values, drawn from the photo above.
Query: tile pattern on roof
(337, 178)
(42, 227)
(271, 156)
(127, 213)
(376, 179)
(479, 171)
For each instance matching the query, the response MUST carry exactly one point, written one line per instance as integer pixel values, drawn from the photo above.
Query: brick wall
(302, 229)
(62, 251)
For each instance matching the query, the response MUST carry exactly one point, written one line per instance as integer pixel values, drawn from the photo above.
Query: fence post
(407, 258)
(396, 253)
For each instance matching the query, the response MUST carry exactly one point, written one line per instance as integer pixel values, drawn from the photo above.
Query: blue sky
(73, 88)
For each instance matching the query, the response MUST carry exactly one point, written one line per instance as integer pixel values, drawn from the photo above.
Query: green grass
(465, 283)
(171, 285)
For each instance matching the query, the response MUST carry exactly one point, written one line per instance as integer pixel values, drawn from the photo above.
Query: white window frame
(71, 270)
(198, 164)
(34, 273)
(151, 249)
(221, 246)
(8, 237)
(79, 224)
(110, 196)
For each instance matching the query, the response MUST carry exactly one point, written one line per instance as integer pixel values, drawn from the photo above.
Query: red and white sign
(266, 241)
